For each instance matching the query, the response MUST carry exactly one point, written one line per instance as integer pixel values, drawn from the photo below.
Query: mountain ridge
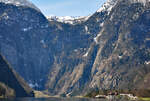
(25, 3)
(68, 19)
(110, 50)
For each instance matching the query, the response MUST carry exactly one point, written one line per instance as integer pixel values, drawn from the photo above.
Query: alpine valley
(70, 56)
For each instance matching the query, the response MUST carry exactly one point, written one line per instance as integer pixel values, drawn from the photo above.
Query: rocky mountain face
(24, 3)
(114, 54)
(74, 55)
(25, 42)
(123, 56)
(11, 84)
(109, 50)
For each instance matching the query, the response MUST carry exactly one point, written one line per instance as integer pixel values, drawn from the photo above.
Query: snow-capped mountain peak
(107, 6)
(111, 3)
(20, 3)
(68, 19)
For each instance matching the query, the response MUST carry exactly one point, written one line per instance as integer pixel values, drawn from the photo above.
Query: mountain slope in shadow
(11, 84)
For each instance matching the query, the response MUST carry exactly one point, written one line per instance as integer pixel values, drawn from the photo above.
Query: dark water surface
(60, 99)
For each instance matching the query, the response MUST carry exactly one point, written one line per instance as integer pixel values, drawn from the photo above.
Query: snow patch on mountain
(87, 29)
(111, 3)
(20, 3)
(5, 16)
(68, 19)
(26, 29)
(33, 85)
(107, 6)
(97, 37)
(87, 53)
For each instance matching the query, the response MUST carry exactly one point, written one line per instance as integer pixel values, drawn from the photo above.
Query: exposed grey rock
(24, 3)
(113, 59)
(25, 42)
(110, 50)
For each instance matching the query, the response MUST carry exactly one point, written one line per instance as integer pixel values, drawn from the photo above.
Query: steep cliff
(123, 56)
(116, 54)
(108, 50)
(11, 84)
(25, 42)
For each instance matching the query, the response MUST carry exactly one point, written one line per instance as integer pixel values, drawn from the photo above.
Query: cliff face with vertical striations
(25, 42)
(124, 50)
(107, 50)
(116, 54)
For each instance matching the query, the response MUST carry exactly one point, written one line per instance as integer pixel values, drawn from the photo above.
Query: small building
(101, 96)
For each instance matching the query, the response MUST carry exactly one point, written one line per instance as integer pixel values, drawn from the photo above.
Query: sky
(68, 7)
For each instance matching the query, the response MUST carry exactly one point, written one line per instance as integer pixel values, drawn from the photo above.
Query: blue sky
(68, 7)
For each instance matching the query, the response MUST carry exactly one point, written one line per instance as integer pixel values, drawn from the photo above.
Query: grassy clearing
(145, 99)
(39, 94)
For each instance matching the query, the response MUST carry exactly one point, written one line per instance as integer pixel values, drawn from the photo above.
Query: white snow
(68, 19)
(87, 53)
(20, 3)
(107, 6)
(33, 85)
(26, 29)
(101, 25)
(5, 15)
(98, 35)
(111, 3)
(36, 85)
(86, 28)
(96, 38)
(75, 50)
(42, 41)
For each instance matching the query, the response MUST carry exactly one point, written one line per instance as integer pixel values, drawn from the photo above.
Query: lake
(60, 99)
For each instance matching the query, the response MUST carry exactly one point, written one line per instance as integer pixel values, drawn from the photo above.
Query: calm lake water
(61, 99)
